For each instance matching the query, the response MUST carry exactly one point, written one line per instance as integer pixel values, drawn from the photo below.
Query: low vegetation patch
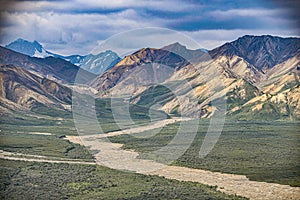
(31, 180)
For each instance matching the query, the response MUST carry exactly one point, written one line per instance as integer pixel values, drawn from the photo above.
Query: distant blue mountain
(99, 63)
(96, 64)
(33, 49)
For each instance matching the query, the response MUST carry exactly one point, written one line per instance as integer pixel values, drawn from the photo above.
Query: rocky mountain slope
(52, 68)
(263, 52)
(280, 93)
(21, 90)
(192, 56)
(135, 63)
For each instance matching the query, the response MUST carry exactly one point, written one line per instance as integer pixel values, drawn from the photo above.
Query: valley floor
(111, 155)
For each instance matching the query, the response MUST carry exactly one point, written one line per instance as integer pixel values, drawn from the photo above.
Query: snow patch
(42, 54)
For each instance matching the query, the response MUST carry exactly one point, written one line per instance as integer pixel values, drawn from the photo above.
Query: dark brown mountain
(22, 90)
(263, 52)
(50, 67)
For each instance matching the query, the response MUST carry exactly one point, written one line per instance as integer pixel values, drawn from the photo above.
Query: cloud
(58, 28)
(93, 5)
(154, 37)
(76, 26)
(233, 13)
(231, 19)
(210, 39)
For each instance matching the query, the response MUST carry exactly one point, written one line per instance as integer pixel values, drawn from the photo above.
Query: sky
(78, 26)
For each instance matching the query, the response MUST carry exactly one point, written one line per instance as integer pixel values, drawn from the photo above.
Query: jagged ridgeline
(260, 77)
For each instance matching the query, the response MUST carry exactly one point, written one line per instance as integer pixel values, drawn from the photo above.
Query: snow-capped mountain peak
(96, 64)
(34, 49)
(99, 63)
(42, 54)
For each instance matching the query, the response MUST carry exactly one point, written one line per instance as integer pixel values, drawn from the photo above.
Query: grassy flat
(31, 180)
(263, 151)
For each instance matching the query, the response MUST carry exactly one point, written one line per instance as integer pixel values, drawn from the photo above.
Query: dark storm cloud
(292, 7)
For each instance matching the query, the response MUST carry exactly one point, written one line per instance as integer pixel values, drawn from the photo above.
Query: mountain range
(258, 76)
(52, 68)
(96, 64)
(246, 83)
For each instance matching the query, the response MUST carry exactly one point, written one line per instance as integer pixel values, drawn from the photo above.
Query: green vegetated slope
(154, 94)
(263, 151)
(27, 136)
(137, 114)
(71, 181)
(20, 133)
